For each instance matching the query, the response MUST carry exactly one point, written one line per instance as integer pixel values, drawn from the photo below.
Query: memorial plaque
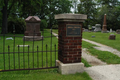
(73, 30)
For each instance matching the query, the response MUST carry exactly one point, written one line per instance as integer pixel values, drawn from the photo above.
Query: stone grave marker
(112, 37)
(118, 31)
(104, 28)
(32, 29)
(111, 31)
(93, 28)
(97, 28)
(22, 45)
(10, 38)
(93, 36)
(85, 30)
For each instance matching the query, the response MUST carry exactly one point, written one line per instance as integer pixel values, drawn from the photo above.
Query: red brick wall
(69, 47)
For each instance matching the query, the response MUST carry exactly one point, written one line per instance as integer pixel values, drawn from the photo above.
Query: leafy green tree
(6, 6)
(29, 7)
(88, 7)
(110, 3)
(58, 7)
(4, 16)
(45, 9)
(0, 17)
(111, 8)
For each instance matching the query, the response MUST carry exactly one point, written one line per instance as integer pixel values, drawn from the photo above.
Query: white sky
(77, 2)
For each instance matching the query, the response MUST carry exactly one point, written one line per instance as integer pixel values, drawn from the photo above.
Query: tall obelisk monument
(104, 28)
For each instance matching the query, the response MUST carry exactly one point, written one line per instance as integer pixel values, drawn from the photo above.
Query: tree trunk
(4, 17)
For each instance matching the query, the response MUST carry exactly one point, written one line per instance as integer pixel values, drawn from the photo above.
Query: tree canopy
(95, 9)
(45, 9)
(88, 7)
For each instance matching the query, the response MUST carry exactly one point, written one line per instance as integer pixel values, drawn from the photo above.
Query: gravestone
(10, 38)
(93, 28)
(111, 31)
(93, 36)
(85, 30)
(97, 28)
(22, 45)
(112, 37)
(104, 28)
(118, 31)
(32, 29)
(70, 42)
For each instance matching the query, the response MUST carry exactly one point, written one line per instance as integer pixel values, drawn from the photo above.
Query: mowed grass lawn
(51, 74)
(47, 74)
(103, 38)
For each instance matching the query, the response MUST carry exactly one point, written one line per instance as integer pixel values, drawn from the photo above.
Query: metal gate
(18, 54)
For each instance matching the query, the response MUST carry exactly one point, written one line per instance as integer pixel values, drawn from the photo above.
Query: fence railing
(18, 54)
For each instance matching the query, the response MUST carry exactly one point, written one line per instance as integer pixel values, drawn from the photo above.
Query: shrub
(17, 24)
(43, 25)
(55, 26)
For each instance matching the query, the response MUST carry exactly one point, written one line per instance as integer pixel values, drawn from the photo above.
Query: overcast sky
(77, 2)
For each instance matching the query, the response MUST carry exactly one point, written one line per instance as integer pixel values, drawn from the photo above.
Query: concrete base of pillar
(30, 38)
(70, 68)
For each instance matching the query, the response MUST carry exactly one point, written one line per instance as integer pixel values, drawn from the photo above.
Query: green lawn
(86, 64)
(51, 74)
(103, 38)
(47, 74)
(55, 31)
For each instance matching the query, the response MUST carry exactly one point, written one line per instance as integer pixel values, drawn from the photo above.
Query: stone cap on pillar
(33, 19)
(71, 17)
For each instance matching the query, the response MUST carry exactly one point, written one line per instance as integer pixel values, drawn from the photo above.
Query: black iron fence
(18, 54)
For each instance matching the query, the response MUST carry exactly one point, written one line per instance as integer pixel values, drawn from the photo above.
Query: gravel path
(91, 59)
(103, 47)
(106, 72)
(103, 72)
(100, 70)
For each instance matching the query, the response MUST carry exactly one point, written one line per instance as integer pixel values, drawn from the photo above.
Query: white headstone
(22, 45)
(97, 27)
(10, 38)
(110, 30)
(93, 26)
(86, 30)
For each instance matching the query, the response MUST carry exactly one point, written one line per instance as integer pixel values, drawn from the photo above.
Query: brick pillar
(69, 46)
(70, 37)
